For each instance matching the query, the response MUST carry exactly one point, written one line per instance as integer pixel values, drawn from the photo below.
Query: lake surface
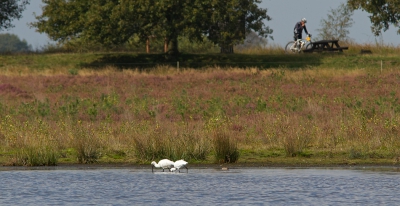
(201, 186)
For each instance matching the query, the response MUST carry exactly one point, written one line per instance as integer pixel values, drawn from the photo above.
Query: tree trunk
(226, 49)
(173, 52)
(148, 45)
(165, 45)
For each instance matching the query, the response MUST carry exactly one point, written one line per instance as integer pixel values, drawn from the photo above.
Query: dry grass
(376, 48)
(273, 49)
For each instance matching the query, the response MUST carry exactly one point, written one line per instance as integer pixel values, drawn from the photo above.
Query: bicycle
(300, 43)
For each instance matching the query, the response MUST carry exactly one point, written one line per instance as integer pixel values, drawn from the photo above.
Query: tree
(232, 20)
(105, 22)
(115, 22)
(383, 13)
(336, 25)
(177, 17)
(9, 10)
(11, 43)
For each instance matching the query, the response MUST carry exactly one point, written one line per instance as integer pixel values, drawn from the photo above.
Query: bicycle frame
(297, 46)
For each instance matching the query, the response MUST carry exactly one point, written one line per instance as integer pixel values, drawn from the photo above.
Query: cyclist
(298, 30)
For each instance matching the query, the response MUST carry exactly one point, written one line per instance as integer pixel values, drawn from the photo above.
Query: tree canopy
(383, 13)
(115, 22)
(10, 10)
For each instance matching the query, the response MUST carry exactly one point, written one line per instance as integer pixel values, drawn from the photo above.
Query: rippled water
(246, 186)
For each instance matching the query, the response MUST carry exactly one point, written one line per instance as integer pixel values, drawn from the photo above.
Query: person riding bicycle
(298, 30)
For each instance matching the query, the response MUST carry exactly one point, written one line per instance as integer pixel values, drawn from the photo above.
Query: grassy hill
(72, 62)
(269, 109)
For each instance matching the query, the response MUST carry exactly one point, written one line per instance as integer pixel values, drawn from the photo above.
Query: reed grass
(225, 148)
(86, 143)
(31, 142)
(183, 142)
(31, 156)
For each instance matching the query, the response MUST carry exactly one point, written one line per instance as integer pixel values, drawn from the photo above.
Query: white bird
(164, 164)
(180, 164)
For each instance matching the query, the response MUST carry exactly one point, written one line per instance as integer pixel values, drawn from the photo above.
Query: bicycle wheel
(290, 48)
(309, 46)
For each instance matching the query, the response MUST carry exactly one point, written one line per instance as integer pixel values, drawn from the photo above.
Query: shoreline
(73, 166)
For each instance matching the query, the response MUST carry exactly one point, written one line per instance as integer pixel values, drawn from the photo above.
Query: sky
(284, 14)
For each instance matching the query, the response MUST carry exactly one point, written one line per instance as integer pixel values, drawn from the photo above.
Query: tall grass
(32, 143)
(86, 143)
(183, 142)
(225, 148)
(33, 156)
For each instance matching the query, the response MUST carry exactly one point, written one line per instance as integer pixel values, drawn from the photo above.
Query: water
(244, 186)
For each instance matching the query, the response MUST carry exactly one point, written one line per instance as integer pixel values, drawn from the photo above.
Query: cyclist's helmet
(304, 20)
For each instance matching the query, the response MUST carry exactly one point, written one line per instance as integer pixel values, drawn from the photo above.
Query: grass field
(265, 108)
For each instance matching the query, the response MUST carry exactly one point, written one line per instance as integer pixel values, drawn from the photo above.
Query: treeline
(115, 23)
(162, 25)
(223, 23)
(12, 43)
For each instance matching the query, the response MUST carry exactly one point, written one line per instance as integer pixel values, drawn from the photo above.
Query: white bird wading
(164, 164)
(180, 164)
